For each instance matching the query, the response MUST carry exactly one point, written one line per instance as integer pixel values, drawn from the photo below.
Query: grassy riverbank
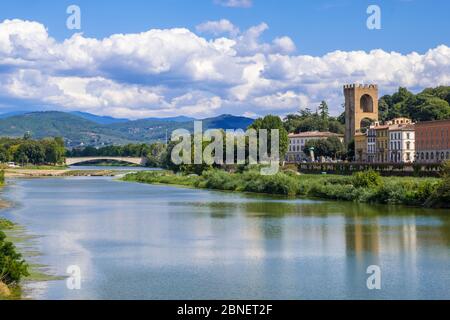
(16, 257)
(12, 266)
(57, 172)
(366, 187)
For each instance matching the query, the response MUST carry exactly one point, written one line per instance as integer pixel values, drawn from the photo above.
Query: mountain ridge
(87, 129)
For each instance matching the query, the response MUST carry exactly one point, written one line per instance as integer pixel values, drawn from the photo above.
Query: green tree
(324, 116)
(431, 104)
(27, 135)
(337, 148)
(12, 266)
(272, 122)
(30, 152)
(155, 154)
(3, 154)
(331, 147)
(430, 108)
(305, 120)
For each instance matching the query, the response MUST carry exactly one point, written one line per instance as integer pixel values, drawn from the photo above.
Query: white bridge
(138, 161)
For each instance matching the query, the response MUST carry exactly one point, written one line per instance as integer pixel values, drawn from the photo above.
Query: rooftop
(401, 127)
(315, 134)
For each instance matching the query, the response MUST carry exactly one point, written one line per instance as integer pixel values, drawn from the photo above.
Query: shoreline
(24, 243)
(407, 191)
(43, 173)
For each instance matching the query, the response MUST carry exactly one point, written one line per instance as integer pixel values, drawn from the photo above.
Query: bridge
(138, 161)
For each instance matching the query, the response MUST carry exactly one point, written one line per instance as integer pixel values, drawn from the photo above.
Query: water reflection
(158, 242)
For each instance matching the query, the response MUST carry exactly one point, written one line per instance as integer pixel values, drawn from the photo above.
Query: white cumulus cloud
(176, 71)
(220, 27)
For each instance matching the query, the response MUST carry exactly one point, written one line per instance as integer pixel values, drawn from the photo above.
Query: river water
(137, 241)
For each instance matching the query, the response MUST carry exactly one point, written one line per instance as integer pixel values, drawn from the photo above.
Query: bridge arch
(78, 160)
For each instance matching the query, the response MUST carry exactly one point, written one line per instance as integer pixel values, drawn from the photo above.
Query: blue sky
(316, 26)
(140, 58)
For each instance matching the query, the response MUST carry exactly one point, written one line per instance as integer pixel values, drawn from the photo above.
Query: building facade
(433, 141)
(382, 143)
(360, 147)
(297, 143)
(371, 144)
(402, 143)
(377, 143)
(392, 142)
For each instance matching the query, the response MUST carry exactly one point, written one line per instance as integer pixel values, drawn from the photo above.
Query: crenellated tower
(361, 102)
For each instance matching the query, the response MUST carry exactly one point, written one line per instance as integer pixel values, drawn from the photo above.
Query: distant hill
(86, 129)
(99, 119)
(12, 114)
(173, 119)
(228, 121)
(75, 129)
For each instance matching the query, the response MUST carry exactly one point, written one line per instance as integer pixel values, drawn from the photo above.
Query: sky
(201, 58)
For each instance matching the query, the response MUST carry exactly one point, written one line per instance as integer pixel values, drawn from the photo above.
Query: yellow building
(382, 143)
(360, 147)
(376, 145)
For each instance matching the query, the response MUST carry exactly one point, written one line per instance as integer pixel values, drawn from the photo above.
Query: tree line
(25, 150)
(153, 152)
(428, 105)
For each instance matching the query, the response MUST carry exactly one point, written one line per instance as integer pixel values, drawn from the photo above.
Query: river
(137, 241)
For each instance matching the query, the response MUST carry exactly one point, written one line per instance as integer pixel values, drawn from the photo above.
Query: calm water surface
(136, 241)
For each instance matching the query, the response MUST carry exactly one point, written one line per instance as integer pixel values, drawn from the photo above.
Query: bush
(279, 183)
(333, 192)
(12, 266)
(367, 179)
(446, 169)
(6, 224)
(440, 198)
(217, 179)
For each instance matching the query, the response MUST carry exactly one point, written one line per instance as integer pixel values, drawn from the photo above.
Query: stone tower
(361, 102)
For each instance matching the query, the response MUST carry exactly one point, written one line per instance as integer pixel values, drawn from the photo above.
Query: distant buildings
(396, 141)
(402, 141)
(391, 142)
(298, 141)
(433, 141)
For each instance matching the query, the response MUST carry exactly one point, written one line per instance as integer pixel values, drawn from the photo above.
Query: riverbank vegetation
(368, 187)
(12, 266)
(26, 151)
